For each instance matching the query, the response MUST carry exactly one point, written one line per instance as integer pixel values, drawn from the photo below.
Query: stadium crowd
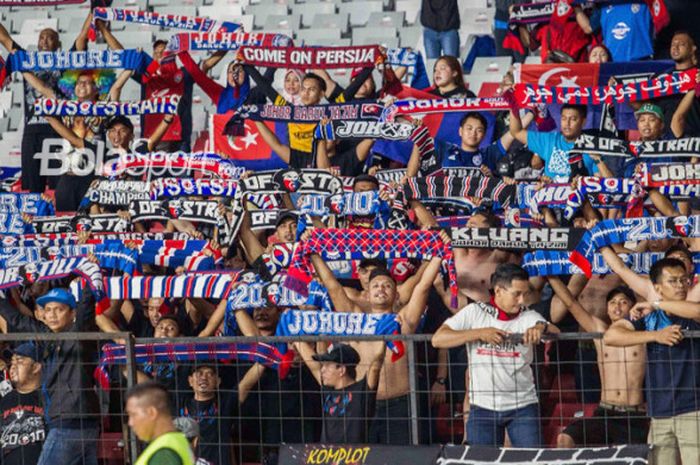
(493, 223)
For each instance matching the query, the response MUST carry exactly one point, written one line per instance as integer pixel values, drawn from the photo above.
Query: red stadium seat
(449, 428)
(563, 388)
(110, 449)
(563, 415)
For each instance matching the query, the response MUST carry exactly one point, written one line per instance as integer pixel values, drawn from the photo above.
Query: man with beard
(673, 369)
(683, 52)
(621, 417)
(23, 429)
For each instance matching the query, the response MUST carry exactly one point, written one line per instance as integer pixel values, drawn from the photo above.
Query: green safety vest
(175, 441)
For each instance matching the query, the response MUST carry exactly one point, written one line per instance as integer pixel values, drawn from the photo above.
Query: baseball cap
(27, 349)
(287, 215)
(119, 119)
(187, 426)
(60, 295)
(651, 109)
(341, 354)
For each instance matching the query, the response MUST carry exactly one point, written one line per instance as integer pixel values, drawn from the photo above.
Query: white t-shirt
(500, 377)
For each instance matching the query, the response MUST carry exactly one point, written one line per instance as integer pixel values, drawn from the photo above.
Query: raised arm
(115, 91)
(680, 116)
(17, 322)
(112, 41)
(331, 85)
(446, 337)
(375, 367)
(284, 152)
(516, 127)
(39, 85)
(639, 284)
(415, 307)
(210, 87)
(507, 139)
(306, 352)
(681, 308)
(251, 244)
(249, 381)
(160, 131)
(587, 322)
(212, 60)
(405, 289)
(340, 299)
(81, 40)
(6, 40)
(65, 132)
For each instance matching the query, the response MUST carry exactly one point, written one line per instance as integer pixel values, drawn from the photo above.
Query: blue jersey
(553, 149)
(627, 31)
(452, 156)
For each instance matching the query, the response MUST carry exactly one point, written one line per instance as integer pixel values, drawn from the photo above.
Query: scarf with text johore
(351, 244)
(517, 238)
(358, 56)
(197, 41)
(207, 163)
(554, 263)
(610, 232)
(183, 187)
(363, 130)
(311, 323)
(451, 187)
(191, 286)
(155, 106)
(161, 20)
(31, 204)
(115, 193)
(163, 352)
(460, 105)
(665, 86)
(23, 61)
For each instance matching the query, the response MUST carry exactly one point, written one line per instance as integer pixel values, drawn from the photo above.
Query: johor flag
(250, 150)
(589, 75)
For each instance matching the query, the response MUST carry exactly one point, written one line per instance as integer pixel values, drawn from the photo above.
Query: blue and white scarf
(310, 323)
(23, 61)
(182, 187)
(31, 204)
(200, 24)
(194, 286)
(610, 232)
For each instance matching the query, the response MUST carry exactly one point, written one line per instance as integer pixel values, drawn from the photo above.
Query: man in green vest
(148, 407)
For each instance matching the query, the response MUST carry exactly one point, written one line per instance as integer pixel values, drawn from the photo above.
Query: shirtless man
(360, 298)
(642, 285)
(620, 418)
(391, 424)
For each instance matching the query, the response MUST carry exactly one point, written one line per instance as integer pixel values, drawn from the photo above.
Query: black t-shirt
(454, 93)
(440, 15)
(23, 429)
(347, 161)
(670, 104)
(290, 407)
(347, 413)
(215, 419)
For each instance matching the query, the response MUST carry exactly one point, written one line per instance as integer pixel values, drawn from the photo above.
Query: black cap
(286, 215)
(365, 178)
(341, 354)
(119, 119)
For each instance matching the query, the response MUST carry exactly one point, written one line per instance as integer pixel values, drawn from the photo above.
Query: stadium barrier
(284, 411)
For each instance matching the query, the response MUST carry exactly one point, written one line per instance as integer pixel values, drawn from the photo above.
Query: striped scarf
(452, 187)
(430, 106)
(201, 41)
(351, 244)
(334, 130)
(115, 193)
(193, 286)
(553, 263)
(31, 204)
(23, 61)
(200, 24)
(665, 86)
(304, 323)
(166, 352)
(610, 232)
(207, 163)
(361, 56)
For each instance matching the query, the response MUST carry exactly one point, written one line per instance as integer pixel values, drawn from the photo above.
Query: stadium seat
(222, 13)
(410, 36)
(475, 21)
(283, 24)
(386, 18)
(16, 119)
(361, 35)
(157, 5)
(563, 388)
(533, 60)
(223, 4)
(18, 18)
(131, 4)
(318, 36)
(110, 449)
(359, 11)
(135, 39)
(309, 10)
(411, 8)
(388, 42)
(492, 65)
(261, 12)
(334, 21)
(178, 9)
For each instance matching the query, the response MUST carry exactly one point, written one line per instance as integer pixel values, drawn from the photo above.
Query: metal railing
(291, 410)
